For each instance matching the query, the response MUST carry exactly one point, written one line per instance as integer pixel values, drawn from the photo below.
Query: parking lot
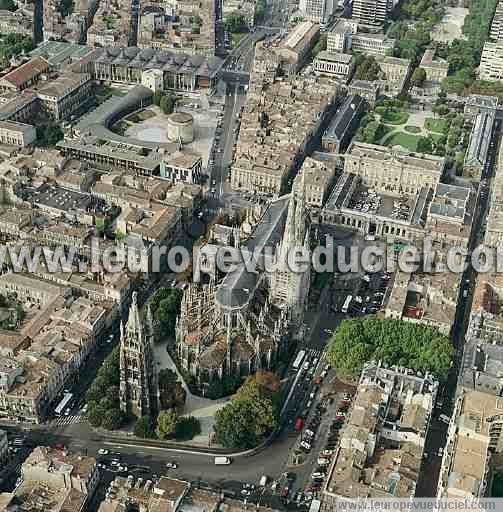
(362, 295)
(318, 435)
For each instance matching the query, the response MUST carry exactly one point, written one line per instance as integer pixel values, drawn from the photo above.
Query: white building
(340, 65)
(17, 134)
(370, 12)
(318, 11)
(344, 37)
(491, 62)
(153, 79)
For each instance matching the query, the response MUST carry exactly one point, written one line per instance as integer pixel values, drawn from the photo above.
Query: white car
(171, 465)
(102, 451)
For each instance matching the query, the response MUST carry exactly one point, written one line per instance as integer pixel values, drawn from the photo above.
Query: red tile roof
(26, 72)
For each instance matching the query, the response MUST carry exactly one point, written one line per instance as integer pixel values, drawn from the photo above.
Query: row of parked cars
(326, 454)
(370, 294)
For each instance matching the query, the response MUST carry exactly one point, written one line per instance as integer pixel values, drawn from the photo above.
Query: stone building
(243, 323)
(138, 383)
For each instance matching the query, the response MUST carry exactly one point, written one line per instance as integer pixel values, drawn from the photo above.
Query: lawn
(435, 125)
(395, 117)
(406, 140)
(236, 38)
(412, 129)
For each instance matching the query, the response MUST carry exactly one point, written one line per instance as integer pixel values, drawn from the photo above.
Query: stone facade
(138, 383)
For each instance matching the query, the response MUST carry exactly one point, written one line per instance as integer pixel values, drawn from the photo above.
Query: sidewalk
(201, 408)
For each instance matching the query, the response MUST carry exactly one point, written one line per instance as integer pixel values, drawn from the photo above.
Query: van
(444, 418)
(222, 461)
(263, 481)
(305, 445)
(306, 366)
(323, 462)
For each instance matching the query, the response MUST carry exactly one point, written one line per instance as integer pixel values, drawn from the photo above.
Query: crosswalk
(66, 420)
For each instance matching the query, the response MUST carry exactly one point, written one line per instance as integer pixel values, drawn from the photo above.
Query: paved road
(437, 435)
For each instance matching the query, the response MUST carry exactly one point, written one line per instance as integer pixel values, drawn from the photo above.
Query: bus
(346, 304)
(60, 409)
(299, 359)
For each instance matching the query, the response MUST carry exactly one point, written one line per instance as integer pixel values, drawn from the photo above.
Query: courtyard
(150, 125)
(451, 25)
(407, 129)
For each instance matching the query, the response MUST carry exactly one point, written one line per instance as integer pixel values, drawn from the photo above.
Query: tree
(8, 5)
(166, 424)
(424, 145)
(172, 394)
(156, 99)
(367, 68)
(251, 415)
(166, 307)
(95, 415)
(112, 419)
(418, 347)
(187, 428)
(144, 427)
(49, 134)
(167, 104)
(235, 23)
(113, 394)
(418, 77)
(235, 425)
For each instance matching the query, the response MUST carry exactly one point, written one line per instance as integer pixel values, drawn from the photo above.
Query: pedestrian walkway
(201, 408)
(66, 420)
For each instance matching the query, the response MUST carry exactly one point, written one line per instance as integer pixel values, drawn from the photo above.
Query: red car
(285, 492)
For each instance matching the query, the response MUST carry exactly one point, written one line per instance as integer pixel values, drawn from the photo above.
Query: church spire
(300, 212)
(289, 234)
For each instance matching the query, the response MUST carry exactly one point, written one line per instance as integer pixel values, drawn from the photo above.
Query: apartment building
(17, 22)
(381, 445)
(49, 348)
(491, 61)
(182, 167)
(17, 134)
(169, 495)
(338, 65)
(318, 11)
(61, 97)
(277, 127)
(370, 12)
(494, 224)
(112, 24)
(486, 316)
(496, 32)
(315, 178)
(424, 298)
(344, 37)
(54, 480)
(474, 434)
(177, 32)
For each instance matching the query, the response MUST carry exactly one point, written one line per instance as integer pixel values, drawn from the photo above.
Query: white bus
(60, 409)
(346, 304)
(299, 359)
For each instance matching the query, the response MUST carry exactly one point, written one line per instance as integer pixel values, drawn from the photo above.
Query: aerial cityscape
(250, 255)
